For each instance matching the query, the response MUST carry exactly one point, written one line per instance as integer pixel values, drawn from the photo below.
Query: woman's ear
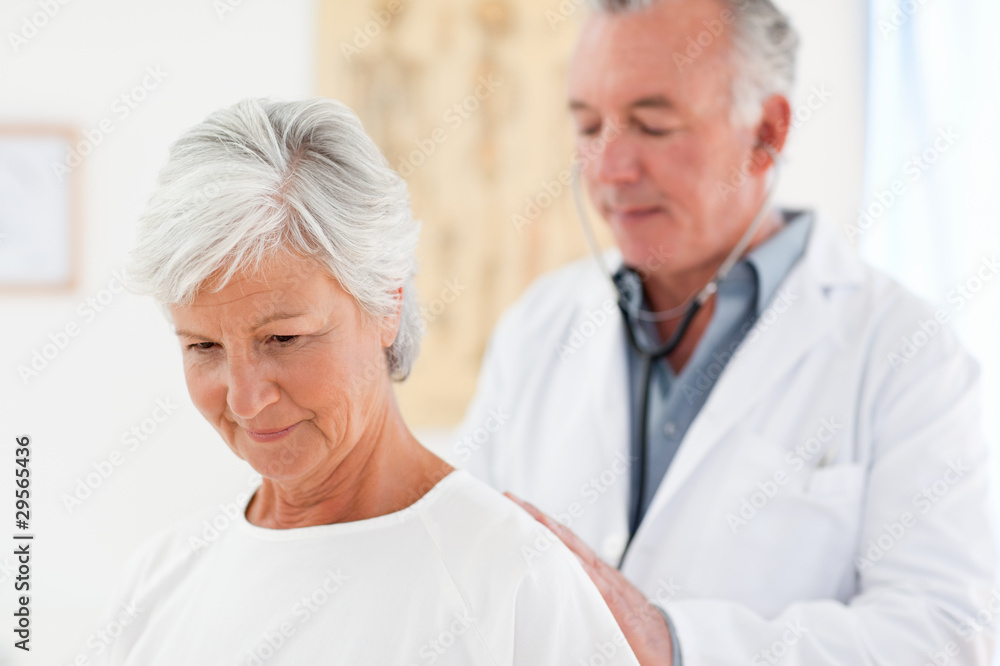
(390, 325)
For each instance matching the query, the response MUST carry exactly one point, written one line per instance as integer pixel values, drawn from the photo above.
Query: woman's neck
(384, 472)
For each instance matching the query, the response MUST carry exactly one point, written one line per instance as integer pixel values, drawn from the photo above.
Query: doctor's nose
(617, 161)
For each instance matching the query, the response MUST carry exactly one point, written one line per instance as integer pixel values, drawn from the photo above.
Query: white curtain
(931, 212)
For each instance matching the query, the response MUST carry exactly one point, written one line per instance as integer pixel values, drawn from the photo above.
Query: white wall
(824, 158)
(110, 376)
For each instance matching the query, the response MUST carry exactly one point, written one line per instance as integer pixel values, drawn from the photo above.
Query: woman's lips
(269, 435)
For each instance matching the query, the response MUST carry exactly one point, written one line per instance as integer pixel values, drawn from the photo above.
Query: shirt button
(670, 429)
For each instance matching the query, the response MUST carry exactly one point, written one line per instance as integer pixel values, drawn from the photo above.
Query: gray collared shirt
(675, 400)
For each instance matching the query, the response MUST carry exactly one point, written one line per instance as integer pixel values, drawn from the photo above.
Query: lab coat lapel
(773, 347)
(608, 363)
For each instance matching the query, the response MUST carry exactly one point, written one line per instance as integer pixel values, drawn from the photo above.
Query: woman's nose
(249, 387)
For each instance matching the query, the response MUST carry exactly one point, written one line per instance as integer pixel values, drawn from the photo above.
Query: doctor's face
(654, 132)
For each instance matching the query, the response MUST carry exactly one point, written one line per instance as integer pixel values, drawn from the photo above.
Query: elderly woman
(283, 247)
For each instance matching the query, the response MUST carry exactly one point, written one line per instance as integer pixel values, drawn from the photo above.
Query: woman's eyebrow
(277, 316)
(263, 321)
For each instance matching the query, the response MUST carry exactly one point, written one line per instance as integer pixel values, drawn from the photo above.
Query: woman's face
(286, 367)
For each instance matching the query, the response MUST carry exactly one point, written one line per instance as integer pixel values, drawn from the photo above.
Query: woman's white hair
(765, 49)
(263, 177)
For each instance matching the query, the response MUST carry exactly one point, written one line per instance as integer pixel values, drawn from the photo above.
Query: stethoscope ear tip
(772, 152)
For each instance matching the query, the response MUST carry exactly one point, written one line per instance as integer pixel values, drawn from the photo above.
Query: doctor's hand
(644, 626)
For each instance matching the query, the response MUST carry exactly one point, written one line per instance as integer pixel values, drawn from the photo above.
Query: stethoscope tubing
(650, 355)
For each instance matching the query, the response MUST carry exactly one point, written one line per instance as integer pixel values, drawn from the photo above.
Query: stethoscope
(650, 354)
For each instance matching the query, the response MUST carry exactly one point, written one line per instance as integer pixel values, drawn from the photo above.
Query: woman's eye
(281, 339)
(202, 346)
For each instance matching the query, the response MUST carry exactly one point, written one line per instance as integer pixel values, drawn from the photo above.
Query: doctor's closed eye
(654, 127)
(655, 121)
(587, 124)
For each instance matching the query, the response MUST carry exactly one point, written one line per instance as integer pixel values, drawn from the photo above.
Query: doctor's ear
(772, 130)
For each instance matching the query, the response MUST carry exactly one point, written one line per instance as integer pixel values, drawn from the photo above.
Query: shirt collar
(771, 262)
(773, 259)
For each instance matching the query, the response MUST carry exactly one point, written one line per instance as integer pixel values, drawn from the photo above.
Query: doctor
(763, 450)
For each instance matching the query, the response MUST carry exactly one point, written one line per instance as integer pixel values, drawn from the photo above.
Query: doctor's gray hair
(765, 46)
(263, 177)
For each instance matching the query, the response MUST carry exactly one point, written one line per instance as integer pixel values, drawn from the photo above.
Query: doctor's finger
(644, 627)
(648, 638)
(536, 513)
(566, 535)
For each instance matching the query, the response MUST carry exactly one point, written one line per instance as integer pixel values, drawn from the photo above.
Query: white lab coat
(829, 504)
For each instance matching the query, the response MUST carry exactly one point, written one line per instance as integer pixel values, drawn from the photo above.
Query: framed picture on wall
(39, 209)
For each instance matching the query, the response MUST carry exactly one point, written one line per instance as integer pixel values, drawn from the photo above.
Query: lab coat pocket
(824, 504)
(827, 503)
(806, 534)
(835, 482)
